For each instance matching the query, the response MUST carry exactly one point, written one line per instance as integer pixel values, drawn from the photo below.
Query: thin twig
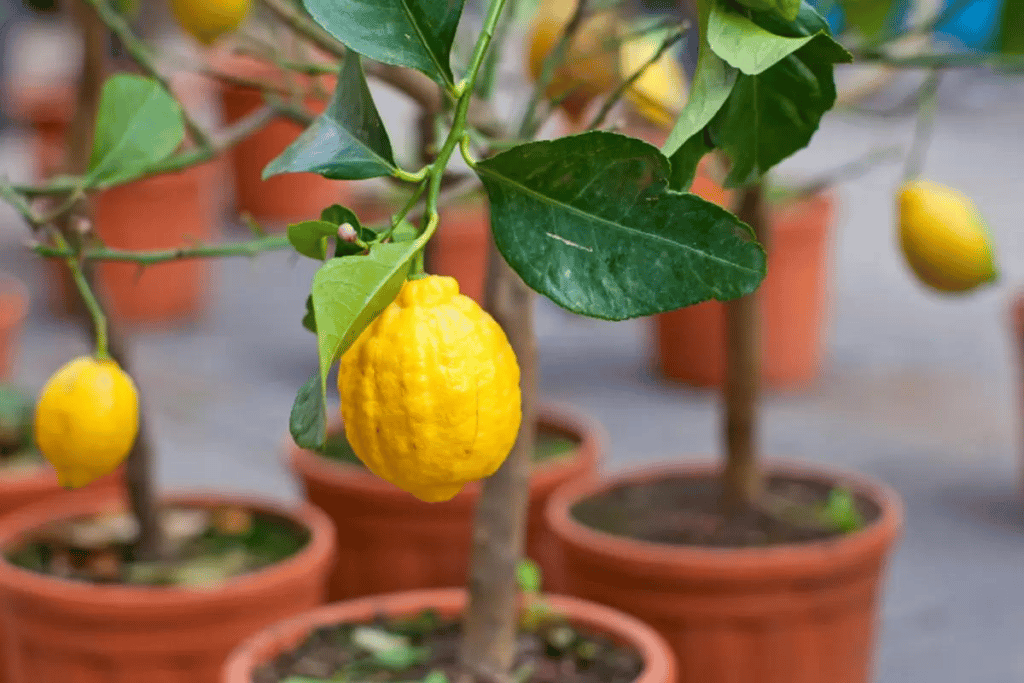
(847, 171)
(923, 128)
(249, 248)
(141, 54)
(617, 94)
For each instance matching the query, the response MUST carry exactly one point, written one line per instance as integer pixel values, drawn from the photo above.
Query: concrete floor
(918, 390)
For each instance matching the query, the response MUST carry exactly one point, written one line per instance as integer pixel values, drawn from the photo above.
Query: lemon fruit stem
(923, 127)
(99, 320)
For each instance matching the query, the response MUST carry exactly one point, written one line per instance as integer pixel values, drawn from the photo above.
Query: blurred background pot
(590, 618)
(285, 198)
(380, 527)
(794, 612)
(13, 309)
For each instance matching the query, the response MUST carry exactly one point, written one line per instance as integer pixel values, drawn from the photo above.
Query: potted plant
(568, 637)
(380, 526)
(739, 558)
(13, 309)
(184, 577)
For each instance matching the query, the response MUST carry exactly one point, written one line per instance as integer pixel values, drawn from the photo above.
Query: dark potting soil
(550, 444)
(426, 649)
(687, 512)
(206, 548)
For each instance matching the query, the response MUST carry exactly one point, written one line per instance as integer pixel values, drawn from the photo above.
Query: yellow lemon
(590, 67)
(430, 391)
(207, 20)
(87, 419)
(659, 94)
(944, 238)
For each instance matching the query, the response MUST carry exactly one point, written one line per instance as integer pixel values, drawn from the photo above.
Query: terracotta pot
(13, 309)
(160, 212)
(459, 247)
(287, 635)
(47, 108)
(381, 527)
(691, 341)
(285, 198)
(800, 613)
(20, 489)
(77, 632)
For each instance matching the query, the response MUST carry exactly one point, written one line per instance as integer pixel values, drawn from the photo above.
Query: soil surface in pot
(205, 547)
(425, 649)
(686, 511)
(550, 444)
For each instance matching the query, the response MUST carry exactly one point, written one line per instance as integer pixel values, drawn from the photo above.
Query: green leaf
(308, 420)
(840, 510)
(868, 17)
(770, 115)
(1011, 28)
(309, 319)
(413, 33)
(712, 82)
(745, 45)
(528, 576)
(588, 221)
(687, 158)
(338, 214)
(137, 125)
(349, 292)
(348, 141)
(311, 238)
(787, 9)
(401, 658)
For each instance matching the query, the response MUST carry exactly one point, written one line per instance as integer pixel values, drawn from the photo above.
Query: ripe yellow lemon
(87, 419)
(430, 391)
(207, 20)
(659, 94)
(590, 67)
(944, 238)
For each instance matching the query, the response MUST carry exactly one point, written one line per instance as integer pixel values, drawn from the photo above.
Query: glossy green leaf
(744, 45)
(787, 9)
(348, 141)
(309, 319)
(349, 292)
(588, 221)
(1011, 28)
(712, 83)
(867, 17)
(413, 33)
(312, 238)
(770, 115)
(137, 125)
(687, 158)
(308, 420)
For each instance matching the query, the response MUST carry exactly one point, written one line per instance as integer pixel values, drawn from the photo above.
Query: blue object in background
(976, 26)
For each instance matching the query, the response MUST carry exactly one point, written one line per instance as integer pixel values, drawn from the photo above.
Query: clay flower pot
(690, 341)
(459, 247)
(794, 613)
(160, 212)
(48, 109)
(286, 635)
(281, 199)
(77, 632)
(381, 527)
(13, 309)
(19, 489)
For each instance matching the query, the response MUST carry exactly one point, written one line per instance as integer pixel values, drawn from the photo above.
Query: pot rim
(14, 289)
(593, 444)
(31, 518)
(659, 664)
(795, 559)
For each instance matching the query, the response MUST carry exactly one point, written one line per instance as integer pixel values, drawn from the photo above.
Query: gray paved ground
(918, 390)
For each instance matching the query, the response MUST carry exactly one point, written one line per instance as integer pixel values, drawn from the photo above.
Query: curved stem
(99, 319)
